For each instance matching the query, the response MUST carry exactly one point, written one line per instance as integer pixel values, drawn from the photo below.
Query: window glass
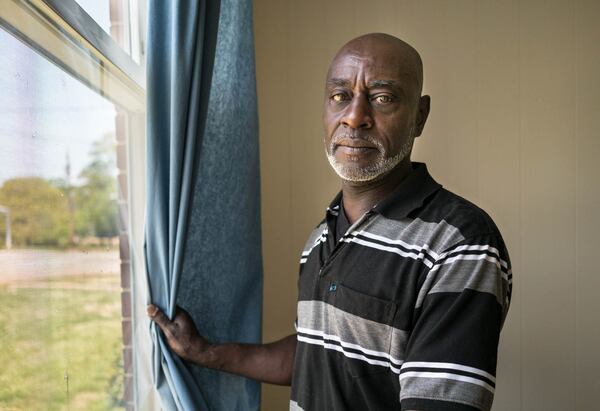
(60, 265)
(99, 10)
(123, 20)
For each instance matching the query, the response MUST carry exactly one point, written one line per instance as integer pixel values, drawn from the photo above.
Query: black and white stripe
(354, 351)
(323, 324)
(449, 371)
(402, 248)
(320, 239)
(473, 267)
(475, 252)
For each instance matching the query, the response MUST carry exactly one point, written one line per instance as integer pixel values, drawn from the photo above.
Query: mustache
(353, 135)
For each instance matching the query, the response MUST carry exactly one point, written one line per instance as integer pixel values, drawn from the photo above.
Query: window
(122, 20)
(71, 172)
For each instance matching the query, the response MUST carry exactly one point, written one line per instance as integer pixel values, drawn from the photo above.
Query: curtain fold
(181, 39)
(222, 269)
(202, 238)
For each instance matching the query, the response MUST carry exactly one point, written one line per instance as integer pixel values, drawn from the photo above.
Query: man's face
(370, 115)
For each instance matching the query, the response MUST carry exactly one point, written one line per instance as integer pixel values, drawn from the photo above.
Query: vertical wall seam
(478, 99)
(289, 125)
(520, 197)
(576, 202)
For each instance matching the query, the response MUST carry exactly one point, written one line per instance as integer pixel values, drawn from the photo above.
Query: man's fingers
(157, 316)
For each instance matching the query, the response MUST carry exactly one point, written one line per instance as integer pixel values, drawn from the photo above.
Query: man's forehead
(378, 56)
(371, 66)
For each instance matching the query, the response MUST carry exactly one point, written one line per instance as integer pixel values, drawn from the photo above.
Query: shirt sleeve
(451, 356)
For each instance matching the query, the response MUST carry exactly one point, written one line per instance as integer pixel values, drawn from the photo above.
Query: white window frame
(66, 35)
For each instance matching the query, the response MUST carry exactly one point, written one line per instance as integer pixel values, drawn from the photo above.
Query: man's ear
(422, 114)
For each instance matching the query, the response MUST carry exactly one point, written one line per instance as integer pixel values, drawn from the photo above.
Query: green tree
(38, 212)
(96, 199)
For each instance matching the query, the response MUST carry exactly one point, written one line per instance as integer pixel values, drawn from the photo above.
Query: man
(403, 287)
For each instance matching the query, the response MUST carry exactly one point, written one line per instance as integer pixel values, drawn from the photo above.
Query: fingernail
(151, 310)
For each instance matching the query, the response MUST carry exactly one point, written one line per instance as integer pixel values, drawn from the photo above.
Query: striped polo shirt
(404, 310)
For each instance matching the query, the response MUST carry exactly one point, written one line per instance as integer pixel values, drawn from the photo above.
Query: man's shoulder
(317, 235)
(456, 211)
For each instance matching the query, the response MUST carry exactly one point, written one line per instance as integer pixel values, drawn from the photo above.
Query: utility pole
(70, 200)
(6, 212)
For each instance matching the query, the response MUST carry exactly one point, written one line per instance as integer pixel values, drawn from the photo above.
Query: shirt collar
(410, 194)
(334, 206)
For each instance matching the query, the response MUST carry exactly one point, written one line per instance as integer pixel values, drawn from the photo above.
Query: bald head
(401, 55)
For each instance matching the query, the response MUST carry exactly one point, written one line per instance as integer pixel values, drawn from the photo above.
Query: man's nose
(358, 113)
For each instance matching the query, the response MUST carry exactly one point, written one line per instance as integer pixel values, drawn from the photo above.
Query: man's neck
(359, 198)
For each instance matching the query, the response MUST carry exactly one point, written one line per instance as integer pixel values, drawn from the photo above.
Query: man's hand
(272, 363)
(181, 333)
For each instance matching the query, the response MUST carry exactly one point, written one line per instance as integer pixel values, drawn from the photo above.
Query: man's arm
(451, 354)
(271, 363)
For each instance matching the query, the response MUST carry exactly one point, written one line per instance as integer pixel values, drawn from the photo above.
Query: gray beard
(379, 168)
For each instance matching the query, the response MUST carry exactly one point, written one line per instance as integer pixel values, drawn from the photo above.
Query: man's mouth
(354, 146)
(354, 150)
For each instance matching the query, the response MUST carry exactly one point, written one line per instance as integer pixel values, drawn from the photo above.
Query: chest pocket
(362, 324)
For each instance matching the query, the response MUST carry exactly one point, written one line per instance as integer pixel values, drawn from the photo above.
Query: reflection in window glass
(60, 321)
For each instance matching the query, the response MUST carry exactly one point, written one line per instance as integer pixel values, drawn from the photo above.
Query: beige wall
(514, 127)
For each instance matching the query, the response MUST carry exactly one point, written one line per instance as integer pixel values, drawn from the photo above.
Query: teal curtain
(203, 202)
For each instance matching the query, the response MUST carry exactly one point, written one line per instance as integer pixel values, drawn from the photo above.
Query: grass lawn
(60, 344)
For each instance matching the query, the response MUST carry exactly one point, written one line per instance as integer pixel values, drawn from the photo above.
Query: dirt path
(31, 265)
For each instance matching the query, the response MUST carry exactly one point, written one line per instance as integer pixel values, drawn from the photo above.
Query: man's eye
(338, 97)
(383, 99)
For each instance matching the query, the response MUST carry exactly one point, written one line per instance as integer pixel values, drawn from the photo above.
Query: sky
(45, 114)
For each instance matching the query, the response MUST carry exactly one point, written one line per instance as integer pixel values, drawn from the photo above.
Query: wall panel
(587, 203)
(498, 168)
(548, 199)
(513, 127)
